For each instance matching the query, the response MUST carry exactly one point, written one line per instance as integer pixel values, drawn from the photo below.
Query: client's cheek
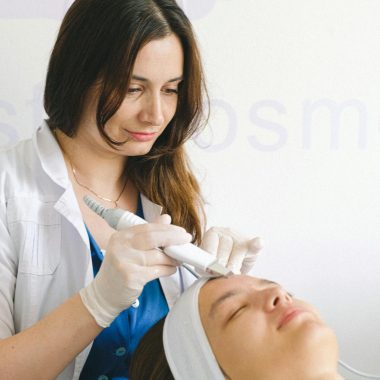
(223, 346)
(236, 355)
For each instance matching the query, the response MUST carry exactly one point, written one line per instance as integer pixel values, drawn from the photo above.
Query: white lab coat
(44, 247)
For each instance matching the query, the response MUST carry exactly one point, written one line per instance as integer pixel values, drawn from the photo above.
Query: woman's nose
(276, 297)
(152, 113)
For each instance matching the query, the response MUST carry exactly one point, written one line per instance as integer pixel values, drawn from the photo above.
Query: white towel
(187, 349)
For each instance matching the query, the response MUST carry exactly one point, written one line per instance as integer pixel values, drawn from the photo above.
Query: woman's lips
(289, 315)
(142, 136)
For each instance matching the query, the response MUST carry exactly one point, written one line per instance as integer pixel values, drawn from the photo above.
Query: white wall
(293, 149)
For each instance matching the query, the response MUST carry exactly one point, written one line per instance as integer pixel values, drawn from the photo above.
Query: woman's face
(258, 331)
(150, 103)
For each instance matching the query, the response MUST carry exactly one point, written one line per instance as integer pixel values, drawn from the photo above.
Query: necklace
(84, 186)
(94, 192)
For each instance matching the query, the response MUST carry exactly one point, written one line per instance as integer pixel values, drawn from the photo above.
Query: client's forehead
(237, 281)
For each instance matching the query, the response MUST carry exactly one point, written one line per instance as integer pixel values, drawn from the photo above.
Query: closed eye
(236, 312)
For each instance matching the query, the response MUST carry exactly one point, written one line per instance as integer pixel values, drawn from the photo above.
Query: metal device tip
(217, 269)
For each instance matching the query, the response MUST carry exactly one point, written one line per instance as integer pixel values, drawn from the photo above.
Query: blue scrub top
(113, 348)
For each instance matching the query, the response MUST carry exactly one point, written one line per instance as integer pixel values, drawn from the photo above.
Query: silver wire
(356, 372)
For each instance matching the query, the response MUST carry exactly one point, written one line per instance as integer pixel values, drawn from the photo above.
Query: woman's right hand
(132, 260)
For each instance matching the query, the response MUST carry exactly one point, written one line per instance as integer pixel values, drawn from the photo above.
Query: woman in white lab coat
(124, 92)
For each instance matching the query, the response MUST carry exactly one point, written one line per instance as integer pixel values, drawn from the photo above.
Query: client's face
(258, 331)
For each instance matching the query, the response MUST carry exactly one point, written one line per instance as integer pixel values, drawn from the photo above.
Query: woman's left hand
(233, 250)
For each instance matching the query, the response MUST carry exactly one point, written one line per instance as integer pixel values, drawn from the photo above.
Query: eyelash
(171, 91)
(168, 91)
(233, 315)
(133, 90)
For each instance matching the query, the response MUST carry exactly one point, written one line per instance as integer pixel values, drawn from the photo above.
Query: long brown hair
(149, 360)
(98, 43)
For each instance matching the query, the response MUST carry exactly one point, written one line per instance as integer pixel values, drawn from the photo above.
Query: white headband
(186, 346)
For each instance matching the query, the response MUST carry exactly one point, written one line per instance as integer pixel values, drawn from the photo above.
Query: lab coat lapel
(151, 210)
(174, 285)
(50, 155)
(52, 162)
(73, 215)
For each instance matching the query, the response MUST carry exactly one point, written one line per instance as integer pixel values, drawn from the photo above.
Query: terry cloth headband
(186, 346)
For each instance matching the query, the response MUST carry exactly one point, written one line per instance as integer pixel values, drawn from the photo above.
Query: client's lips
(288, 315)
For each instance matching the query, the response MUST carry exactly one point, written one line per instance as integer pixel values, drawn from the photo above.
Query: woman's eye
(171, 91)
(133, 90)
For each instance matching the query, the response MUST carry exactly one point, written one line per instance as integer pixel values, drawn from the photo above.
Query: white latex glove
(130, 262)
(233, 250)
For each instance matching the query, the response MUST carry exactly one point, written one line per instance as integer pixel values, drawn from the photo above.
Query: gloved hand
(233, 250)
(130, 262)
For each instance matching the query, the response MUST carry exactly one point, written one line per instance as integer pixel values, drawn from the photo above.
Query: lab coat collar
(50, 155)
(151, 210)
(52, 162)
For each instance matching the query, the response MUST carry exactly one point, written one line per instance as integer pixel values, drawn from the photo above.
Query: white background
(292, 149)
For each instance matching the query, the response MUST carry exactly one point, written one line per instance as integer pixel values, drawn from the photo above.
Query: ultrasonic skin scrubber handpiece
(120, 219)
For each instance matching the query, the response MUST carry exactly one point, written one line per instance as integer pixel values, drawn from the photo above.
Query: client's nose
(276, 296)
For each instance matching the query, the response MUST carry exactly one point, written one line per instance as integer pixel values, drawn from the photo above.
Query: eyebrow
(142, 79)
(268, 282)
(223, 298)
(232, 293)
